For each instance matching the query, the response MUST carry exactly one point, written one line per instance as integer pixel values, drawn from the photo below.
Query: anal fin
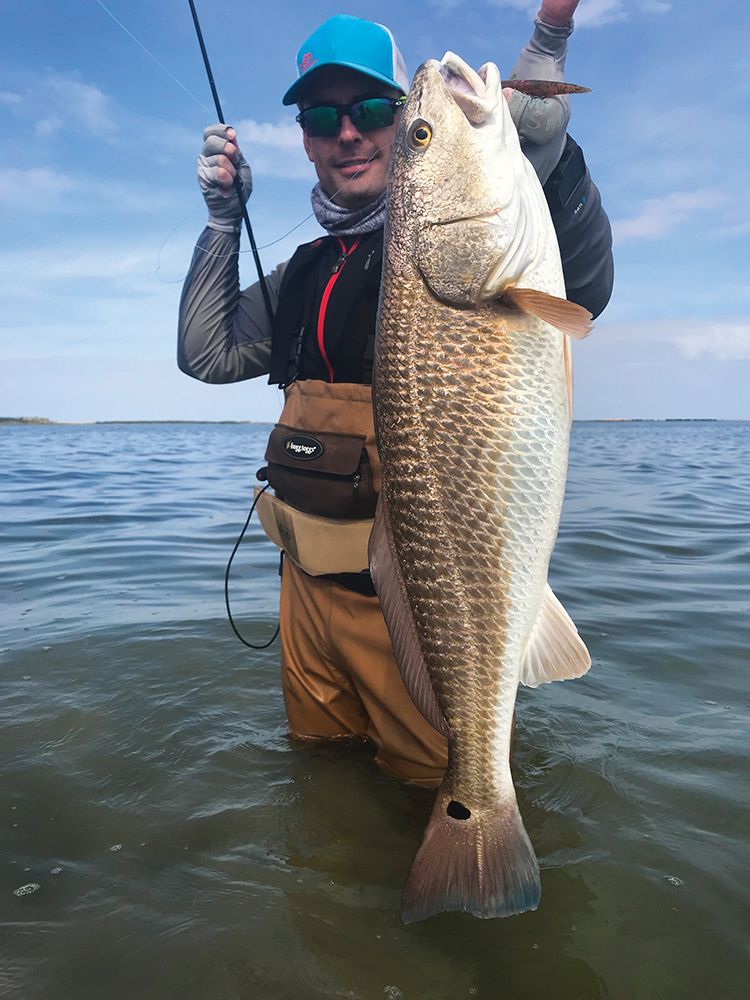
(389, 583)
(554, 651)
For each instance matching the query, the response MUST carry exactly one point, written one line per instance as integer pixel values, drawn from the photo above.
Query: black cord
(226, 580)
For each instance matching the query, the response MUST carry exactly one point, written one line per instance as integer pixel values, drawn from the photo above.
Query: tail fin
(483, 864)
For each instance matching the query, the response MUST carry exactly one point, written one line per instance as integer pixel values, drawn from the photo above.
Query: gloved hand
(219, 161)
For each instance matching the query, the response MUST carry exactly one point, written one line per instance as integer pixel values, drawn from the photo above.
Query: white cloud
(530, 5)
(444, 6)
(725, 339)
(117, 387)
(96, 298)
(275, 150)
(99, 262)
(589, 13)
(285, 135)
(43, 190)
(655, 6)
(741, 228)
(58, 100)
(83, 103)
(62, 108)
(593, 13)
(48, 125)
(98, 292)
(19, 186)
(659, 216)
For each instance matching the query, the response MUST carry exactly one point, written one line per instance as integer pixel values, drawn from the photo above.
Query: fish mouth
(476, 93)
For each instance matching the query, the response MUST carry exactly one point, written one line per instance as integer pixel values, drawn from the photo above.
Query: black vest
(350, 312)
(344, 287)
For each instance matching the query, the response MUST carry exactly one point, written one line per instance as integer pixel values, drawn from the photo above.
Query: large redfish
(473, 407)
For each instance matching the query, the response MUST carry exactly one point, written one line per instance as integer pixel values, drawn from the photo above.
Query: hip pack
(321, 456)
(321, 473)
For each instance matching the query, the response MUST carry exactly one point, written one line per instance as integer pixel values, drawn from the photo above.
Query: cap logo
(307, 62)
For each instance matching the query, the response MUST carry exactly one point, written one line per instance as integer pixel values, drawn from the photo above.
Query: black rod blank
(237, 184)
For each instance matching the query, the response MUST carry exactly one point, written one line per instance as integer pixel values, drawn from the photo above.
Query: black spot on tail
(457, 810)
(486, 866)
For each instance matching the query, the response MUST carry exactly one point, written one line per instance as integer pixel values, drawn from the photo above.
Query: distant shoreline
(44, 422)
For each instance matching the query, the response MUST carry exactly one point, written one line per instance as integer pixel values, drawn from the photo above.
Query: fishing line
(171, 281)
(253, 247)
(265, 246)
(151, 55)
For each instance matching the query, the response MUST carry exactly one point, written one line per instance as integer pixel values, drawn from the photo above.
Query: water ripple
(183, 847)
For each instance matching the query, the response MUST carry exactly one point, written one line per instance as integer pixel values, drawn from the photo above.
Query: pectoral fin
(563, 314)
(555, 651)
(389, 583)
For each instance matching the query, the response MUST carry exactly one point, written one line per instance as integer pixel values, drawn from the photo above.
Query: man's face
(352, 166)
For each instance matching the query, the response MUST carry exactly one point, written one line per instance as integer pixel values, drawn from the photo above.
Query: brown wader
(339, 675)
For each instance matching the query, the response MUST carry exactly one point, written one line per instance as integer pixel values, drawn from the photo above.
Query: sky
(101, 208)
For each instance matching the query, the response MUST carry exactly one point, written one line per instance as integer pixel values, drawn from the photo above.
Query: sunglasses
(375, 112)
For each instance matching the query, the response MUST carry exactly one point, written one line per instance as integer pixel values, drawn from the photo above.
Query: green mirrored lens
(374, 113)
(321, 121)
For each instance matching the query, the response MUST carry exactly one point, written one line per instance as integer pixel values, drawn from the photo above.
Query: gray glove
(224, 214)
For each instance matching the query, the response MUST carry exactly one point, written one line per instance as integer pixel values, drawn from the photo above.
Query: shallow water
(182, 848)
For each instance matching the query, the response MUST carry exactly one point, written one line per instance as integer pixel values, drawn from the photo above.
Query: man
(339, 677)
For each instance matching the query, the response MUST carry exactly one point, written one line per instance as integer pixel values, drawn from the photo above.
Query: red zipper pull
(345, 253)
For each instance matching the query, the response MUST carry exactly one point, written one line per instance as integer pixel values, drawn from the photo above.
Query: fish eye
(420, 135)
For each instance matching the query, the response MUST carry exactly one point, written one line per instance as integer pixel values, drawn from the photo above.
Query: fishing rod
(237, 184)
(269, 310)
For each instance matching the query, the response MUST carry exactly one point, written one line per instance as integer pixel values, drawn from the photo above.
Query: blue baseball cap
(343, 40)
